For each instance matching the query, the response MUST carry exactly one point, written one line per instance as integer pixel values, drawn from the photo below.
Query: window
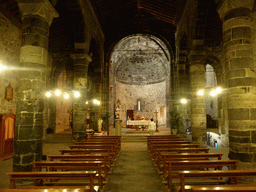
(140, 105)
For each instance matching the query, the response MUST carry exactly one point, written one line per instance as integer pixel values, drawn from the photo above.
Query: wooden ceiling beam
(117, 10)
(159, 15)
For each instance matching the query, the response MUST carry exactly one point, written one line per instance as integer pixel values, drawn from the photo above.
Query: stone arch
(215, 63)
(116, 69)
(110, 49)
(214, 103)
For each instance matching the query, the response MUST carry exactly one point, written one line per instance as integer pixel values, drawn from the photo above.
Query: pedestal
(118, 127)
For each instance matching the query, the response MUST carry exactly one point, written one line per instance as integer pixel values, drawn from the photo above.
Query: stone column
(105, 97)
(95, 108)
(183, 89)
(240, 78)
(81, 63)
(36, 19)
(197, 82)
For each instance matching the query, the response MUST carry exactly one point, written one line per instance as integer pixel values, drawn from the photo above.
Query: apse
(140, 79)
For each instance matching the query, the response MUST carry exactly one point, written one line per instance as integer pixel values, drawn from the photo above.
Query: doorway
(129, 116)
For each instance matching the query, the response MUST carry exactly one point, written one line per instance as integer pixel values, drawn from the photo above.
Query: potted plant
(105, 119)
(175, 121)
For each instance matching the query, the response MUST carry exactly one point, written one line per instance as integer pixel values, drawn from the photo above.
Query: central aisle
(134, 171)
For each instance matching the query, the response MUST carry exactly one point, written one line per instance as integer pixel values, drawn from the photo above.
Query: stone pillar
(81, 63)
(240, 78)
(36, 19)
(105, 98)
(183, 90)
(95, 108)
(197, 82)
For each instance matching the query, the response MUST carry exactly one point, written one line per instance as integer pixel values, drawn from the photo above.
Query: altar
(138, 124)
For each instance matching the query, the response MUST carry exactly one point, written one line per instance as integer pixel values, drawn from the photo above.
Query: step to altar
(136, 132)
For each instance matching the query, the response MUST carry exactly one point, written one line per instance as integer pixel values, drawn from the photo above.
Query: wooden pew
(116, 140)
(151, 137)
(109, 147)
(157, 155)
(75, 165)
(106, 143)
(105, 137)
(87, 157)
(171, 142)
(84, 151)
(52, 189)
(153, 140)
(160, 137)
(86, 175)
(183, 175)
(167, 156)
(199, 164)
(166, 139)
(224, 188)
(154, 147)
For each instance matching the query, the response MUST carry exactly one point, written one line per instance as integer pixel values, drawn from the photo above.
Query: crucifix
(156, 122)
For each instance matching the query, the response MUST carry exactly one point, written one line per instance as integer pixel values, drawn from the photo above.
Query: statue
(100, 121)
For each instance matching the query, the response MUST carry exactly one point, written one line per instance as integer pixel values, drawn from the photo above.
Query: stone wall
(153, 99)
(10, 42)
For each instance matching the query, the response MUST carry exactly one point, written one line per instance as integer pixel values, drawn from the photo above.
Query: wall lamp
(94, 101)
(2, 67)
(183, 101)
(213, 92)
(59, 93)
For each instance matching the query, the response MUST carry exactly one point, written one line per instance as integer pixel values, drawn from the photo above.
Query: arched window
(139, 105)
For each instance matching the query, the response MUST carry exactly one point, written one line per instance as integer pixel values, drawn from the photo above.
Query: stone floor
(134, 171)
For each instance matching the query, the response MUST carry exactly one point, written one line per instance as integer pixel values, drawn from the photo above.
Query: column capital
(81, 56)
(228, 5)
(42, 8)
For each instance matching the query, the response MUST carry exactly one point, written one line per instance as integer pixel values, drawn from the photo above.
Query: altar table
(138, 122)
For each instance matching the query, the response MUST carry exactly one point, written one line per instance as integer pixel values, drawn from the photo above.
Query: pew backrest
(64, 166)
(87, 175)
(183, 175)
(102, 157)
(199, 164)
(165, 156)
